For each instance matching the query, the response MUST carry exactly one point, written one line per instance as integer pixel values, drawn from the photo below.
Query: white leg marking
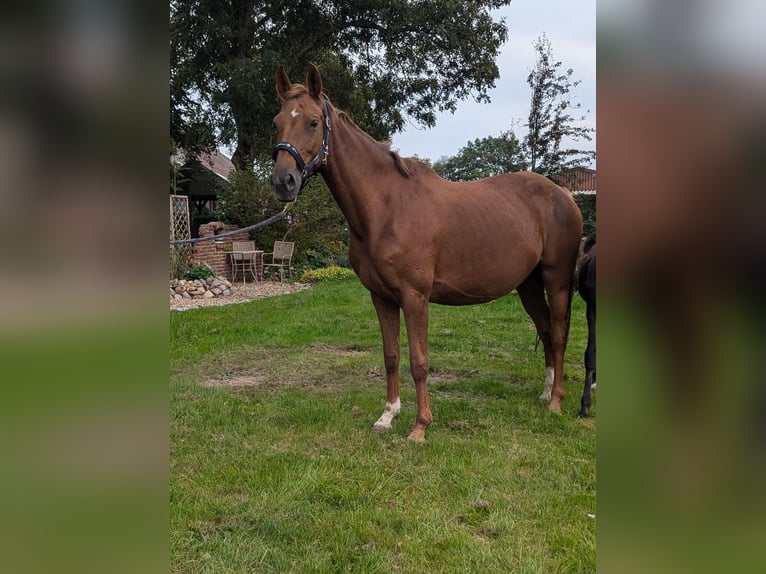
(384, 422)
(546, 396)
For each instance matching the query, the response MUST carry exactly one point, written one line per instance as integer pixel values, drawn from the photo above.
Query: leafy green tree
(483, 158)
(587, 205)
(247, 200)
(383, 61)
(550, 116)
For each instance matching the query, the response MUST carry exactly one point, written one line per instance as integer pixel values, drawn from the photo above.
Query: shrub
(199, 271)
(327, 274)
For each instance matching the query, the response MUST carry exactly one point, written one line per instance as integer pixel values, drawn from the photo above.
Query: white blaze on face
(391, 410)
(546, 396)
(294, 114)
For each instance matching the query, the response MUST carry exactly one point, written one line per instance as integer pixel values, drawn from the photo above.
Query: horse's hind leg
(532, 295)
(590, 361)
(388, 317)
(558, 285)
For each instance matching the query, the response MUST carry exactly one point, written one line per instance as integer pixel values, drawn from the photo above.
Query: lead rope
(273, 219)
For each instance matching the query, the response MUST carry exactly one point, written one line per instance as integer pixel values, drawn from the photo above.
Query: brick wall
(214, 252)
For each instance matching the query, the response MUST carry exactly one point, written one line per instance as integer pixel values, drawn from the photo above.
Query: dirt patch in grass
(235, 382)
(341, 350)
(442, 377)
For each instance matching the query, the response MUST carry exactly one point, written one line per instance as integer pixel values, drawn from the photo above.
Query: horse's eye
(314, 123)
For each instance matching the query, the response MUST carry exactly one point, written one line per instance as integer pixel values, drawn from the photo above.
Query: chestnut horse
(416, 238)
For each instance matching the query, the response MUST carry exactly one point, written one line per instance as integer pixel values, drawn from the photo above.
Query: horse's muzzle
(286, 184)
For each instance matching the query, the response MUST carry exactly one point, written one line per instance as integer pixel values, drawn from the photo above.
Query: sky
(570, 25)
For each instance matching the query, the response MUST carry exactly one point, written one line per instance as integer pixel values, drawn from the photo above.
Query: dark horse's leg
(532, 295)
(590, 360)
(388, 317)
(586, 286)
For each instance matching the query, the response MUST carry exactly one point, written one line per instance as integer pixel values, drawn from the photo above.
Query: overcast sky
(570, 25)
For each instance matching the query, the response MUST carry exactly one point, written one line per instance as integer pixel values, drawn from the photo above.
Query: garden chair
(244, 260)
(281, 258)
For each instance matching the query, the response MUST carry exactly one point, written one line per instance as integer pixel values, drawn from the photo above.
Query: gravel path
(242, 293)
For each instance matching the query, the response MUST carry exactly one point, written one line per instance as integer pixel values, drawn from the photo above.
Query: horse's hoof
(417, 436)
(545, 397)
(380, 428)
(555, 406)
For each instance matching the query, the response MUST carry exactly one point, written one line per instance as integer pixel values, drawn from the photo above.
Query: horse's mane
(407, 166)
(297, 90)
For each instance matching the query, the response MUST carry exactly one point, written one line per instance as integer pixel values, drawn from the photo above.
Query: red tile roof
(577, 180)
(218, 164)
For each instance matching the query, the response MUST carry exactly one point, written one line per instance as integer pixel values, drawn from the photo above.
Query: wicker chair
(243, 260)
(281, 258)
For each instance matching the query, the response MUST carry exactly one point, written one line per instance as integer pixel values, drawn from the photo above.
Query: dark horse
(416, 238)
(586, 286)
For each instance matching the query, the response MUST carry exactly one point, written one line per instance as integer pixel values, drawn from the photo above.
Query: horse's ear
(314, 81)
(283, 82)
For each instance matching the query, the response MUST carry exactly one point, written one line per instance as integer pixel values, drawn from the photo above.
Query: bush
(327, 274)
(587, 205)
(199, 271)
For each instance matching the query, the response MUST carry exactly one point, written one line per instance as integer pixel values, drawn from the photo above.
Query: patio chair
(281, 258)
(243, 260)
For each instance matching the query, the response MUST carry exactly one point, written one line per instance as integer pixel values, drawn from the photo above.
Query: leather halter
(310, 170)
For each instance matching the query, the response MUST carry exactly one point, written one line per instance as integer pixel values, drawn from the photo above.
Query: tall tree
(383, 60)
(483, 158)
(550, 116)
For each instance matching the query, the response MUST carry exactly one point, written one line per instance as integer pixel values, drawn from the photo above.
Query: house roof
(205, 175)
(579, 180)
(218, 163)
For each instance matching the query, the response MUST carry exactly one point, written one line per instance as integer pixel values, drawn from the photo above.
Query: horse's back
(492, 233)
(523, 195)
(520, 211)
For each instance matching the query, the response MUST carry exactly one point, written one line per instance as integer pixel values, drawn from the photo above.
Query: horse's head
(303, 131)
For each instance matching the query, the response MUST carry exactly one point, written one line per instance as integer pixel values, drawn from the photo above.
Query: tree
(550, 119)
(383, 61)
(483, 158)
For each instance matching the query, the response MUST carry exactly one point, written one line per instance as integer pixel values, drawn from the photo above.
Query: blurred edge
(682, 246)
(83, 146)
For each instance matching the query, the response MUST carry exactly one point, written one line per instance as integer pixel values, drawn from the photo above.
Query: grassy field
(274, 467)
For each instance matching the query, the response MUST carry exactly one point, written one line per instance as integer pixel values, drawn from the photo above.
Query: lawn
(274, 467)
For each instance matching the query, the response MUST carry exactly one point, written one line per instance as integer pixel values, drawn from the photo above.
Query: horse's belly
(469, 293)
(476, 279)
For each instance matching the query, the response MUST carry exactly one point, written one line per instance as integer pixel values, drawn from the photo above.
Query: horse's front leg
(416, 320)
(388, 317)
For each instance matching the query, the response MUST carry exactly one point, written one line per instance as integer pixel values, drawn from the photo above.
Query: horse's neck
(354, 159)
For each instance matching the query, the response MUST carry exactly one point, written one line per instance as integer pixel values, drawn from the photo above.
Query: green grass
(274, 467)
